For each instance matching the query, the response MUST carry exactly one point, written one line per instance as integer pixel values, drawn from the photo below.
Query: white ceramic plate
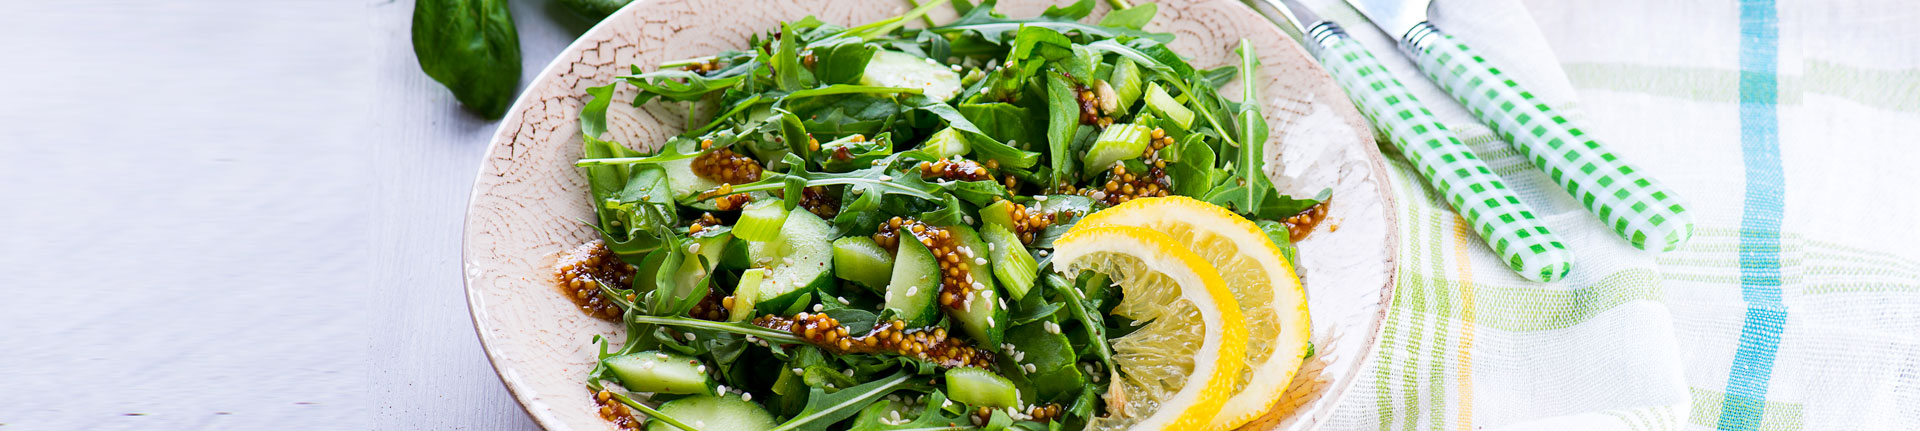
(529, 198)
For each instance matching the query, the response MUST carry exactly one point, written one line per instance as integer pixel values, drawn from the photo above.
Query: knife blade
(1449, 166)
(1638, 208)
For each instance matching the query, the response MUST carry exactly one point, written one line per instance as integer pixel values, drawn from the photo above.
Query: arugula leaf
(993, 28)
(1076, 11)
(932, 418)
(1063, 117)
(786, 60)
(1278, 207)
(471, 47)
(859, 153)
(846, 89)
(679, 85)
(824, 409)
(1135, 17)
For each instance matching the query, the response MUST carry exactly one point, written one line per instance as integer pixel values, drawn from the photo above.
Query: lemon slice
(1170, 371)
(1269, 294)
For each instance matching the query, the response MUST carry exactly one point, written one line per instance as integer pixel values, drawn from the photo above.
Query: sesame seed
(797, 371)
(886, 178)
(746, 396)
(1041, 198)
(843, 300)
(979, 261)
(700, 369)
(913, 290)
(817, 308)
(968, 218)
(1043, 253)
(693, 247)
(723, 389)
(1030, 368)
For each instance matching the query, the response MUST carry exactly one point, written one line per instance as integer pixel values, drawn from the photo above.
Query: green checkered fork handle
(1477, 194)
(1640, 209)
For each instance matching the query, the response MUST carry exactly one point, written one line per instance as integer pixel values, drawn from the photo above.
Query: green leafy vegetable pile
(851, 231)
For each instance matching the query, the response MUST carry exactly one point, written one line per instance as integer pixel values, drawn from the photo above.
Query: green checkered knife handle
(1506, 223)
(1642, 210)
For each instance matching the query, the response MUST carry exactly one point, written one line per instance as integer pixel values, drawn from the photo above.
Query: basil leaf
(471, 47)
(595, 10)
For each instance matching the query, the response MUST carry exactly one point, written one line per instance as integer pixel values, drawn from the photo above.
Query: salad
(991, 223)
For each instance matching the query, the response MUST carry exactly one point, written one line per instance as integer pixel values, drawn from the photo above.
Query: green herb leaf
(472, 48)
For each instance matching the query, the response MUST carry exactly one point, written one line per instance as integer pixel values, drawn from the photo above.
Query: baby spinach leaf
(471, 47)
(841, 60)
(1194, 173)
(1001, 120)
(982, 146)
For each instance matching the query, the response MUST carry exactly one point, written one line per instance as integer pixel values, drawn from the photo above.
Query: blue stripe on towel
(1760, 221)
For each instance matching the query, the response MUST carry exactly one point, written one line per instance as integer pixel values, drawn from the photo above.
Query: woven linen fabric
(1788, 129)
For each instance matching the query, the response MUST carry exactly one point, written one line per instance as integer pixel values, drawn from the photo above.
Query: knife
(1450, 167)
(1640, 209)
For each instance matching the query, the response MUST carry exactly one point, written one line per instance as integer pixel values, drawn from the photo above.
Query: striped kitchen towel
(1790, 130)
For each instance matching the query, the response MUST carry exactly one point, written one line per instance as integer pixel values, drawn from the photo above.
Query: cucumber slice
(761, 220)
(914, 284)
(746, 295)
(1119, 142)
(981, 388)
(984, 319)
(711, 413)
(945, 143)
(799, 261)
(859, 260)
(1126, 83)
(898, 69)
(710, 248)
(686, 185)
(1172, 110)
(1012, 265)
(662, 373)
